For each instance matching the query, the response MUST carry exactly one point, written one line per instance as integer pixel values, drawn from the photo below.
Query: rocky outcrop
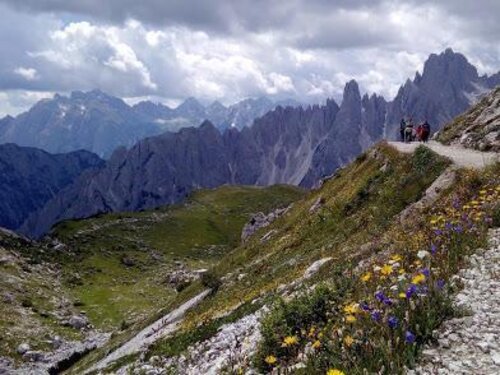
(31, 177)
(478, 128)
(260, 220)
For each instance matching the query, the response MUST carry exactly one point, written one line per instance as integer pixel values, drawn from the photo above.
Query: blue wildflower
(438, 232)
(426, 272)
(409, 337)
(440, 284)
(364, 306)
(392, 321)
(433, 248)
(376, 316)
(412, 289)
(380, 296)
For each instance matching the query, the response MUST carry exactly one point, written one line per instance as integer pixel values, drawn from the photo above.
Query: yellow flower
(316, 344)
(433, 221)
(366, 277)
(270, 360)
(348, 340)
(350, 319)
(396, 258)
(386, 269)
(335, 372)
(352, 308)
(402, 271)
(418, 279)
(289, 341)
(402, 295)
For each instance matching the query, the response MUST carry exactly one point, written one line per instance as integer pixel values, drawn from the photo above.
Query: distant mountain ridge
(287, 145)
(31, 177)
(100, 123)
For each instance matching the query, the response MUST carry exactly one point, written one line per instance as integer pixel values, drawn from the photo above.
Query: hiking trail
(460, 156)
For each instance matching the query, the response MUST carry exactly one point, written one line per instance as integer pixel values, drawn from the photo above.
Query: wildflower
(289, 341)
(418, 279)
(402, 295)
(386, 270)
(426, 272)
(350, 319)
(396, 258)
(335, 372)
(392, 322)
(440, 284)
(352, 308)
(316, 344)
(364, 306)
(409, 337)
(366, 277)
(422, 254)
(412, 289)
(433, 221)
(402, 271)
(379, 295)
(348, 340)
(270, 360)
(433, 248)
(376, 316)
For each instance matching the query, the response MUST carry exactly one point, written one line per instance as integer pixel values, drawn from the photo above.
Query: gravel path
(462, 157)
(471, 344)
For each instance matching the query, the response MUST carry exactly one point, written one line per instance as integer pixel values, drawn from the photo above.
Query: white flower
(422, 254)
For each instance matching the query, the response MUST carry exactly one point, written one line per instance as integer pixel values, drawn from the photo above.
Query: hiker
(426, 131)
(409, 131)
(419, 132)
(402, 126)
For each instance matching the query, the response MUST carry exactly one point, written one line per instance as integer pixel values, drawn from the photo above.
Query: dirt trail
(460, 156)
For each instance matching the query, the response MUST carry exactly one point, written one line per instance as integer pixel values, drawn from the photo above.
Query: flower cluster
(401, 297)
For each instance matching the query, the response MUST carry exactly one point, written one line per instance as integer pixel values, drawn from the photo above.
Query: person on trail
(402, 126)
(420, 129)
(426, 131)
(409, 130)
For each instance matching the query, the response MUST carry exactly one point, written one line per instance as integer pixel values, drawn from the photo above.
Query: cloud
(28, 74)
(228, 50)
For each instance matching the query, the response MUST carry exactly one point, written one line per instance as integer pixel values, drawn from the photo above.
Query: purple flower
(423, 290)
(458, 229)
(412, 289)
(433, 248)
(438, 232)
(376, 316)
(409, 337)
(448, 226)
(380, 296)
(392, 321)
(426, 272)
(440, 284)
(365, 307)
(387, 301)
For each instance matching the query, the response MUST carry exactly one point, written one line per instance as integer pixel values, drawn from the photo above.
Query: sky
(227, 50)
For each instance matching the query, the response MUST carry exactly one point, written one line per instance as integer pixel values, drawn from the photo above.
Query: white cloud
(231, 50)
(28, 74)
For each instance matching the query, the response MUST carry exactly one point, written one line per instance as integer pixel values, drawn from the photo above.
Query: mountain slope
(31, 177)
(478, 128)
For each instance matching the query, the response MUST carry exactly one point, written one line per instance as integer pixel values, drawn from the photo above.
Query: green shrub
(210, 280)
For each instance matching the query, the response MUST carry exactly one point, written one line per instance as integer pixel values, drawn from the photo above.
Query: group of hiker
(412, 132)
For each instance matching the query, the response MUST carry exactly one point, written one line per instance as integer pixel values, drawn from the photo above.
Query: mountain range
(100, 123)
(298, 146)
(31, 177)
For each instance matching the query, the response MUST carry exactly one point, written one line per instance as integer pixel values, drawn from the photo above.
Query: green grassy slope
(117, 264)
(358, 206)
